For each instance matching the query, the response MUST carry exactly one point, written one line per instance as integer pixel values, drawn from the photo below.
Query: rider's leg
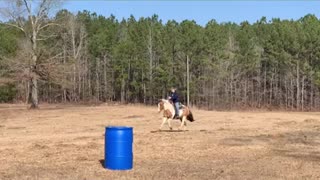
(176, 107)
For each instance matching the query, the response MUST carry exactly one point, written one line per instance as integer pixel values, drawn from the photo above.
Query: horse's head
(160, 105)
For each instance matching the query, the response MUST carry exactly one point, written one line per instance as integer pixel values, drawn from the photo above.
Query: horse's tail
(190, 117)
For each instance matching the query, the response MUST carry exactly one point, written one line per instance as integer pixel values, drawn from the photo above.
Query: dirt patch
(236, 142)
(16, 127)
(39, 146)
(134, 117)
(168, 131)
(311, 120)
(287, 123)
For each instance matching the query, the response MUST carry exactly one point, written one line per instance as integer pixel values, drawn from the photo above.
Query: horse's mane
(168, 106)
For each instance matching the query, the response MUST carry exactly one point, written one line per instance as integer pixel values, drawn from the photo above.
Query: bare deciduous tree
(31, 17)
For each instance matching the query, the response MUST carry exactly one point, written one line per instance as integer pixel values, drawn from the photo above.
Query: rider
(175, 99)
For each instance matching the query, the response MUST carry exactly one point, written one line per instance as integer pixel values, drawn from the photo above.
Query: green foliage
(8, 43)
(7, 93)
(8, 48)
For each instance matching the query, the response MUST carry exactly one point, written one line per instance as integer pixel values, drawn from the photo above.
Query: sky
(200, 11)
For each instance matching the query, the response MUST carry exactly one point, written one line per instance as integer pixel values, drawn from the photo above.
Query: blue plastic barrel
(118, 148)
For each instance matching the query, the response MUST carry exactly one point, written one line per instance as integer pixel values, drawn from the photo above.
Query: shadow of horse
(169, 131)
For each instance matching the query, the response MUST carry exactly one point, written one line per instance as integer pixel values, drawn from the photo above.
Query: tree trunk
(123, 90)
(265, 85)
(271, 88)
(302, 93)
(28, 93)
(188, 82)
(311, 94)
(292, 93)
(144, 93)
(105, 77)
(213, 94)
(33, 80)
(150, 51)
(34, 93)
(97, 80)
(79, 78)
(89, 80)
(287, 93)
(64, 97)
(298, 86)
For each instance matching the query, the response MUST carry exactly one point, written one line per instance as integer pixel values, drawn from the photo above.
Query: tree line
(89, 57)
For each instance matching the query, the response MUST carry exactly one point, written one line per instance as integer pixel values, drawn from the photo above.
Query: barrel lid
(118, 127)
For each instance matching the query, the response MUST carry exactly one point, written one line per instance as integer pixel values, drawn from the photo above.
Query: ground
(67, 142)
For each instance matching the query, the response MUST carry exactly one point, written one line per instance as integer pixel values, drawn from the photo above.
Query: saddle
(181, 106)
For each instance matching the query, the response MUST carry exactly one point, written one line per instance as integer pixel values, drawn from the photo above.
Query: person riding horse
(175, 100)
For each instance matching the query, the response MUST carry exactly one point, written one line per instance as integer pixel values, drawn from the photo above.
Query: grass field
(67, 142)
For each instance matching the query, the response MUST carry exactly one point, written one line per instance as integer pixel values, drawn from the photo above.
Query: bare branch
(46, 37)
(42, 9)
(14, 25)
(15, 17)
(83, 35)
(42, 12)
(29, 13)
(47, 25)
(27, 6)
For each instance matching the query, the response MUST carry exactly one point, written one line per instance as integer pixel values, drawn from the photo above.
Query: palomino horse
(168, 113)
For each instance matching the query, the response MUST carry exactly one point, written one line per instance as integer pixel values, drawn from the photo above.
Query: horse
(168, 113)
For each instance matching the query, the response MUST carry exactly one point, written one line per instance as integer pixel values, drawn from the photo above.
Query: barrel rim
(118, 127)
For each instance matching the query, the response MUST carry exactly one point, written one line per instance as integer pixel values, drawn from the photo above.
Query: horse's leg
(183, 122)
(169, 123)
(163, 122)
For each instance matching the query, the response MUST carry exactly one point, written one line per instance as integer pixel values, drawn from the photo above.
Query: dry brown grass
(67, 142)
